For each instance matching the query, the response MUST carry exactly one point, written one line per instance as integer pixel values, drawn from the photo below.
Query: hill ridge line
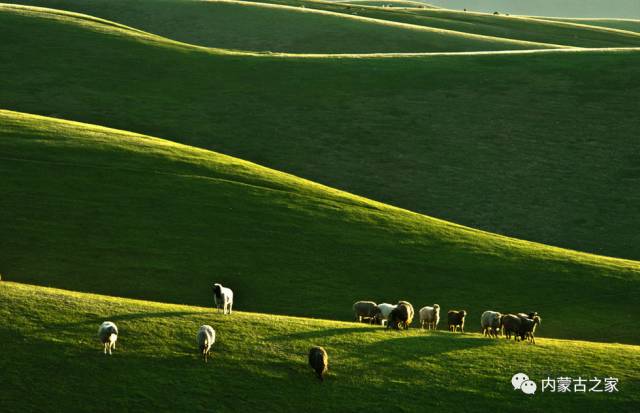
(87, 17)
(549, 250)
(105, 297)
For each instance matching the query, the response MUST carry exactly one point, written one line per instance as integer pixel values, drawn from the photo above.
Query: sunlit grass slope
(276, 28)
(509, 27)
(266, 25)
(259, 362)
(100, 210)
(619, 24)
(541, 146)
(391, 3)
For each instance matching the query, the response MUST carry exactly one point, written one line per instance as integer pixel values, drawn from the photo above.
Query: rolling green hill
(50, 336)
(276, 28)
(443, 135)
(347, 28)
(391, 3)
(106, 211)
(619, 24)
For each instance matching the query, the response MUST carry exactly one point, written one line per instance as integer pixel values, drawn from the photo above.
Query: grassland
(348, 28)
(269, 27)
(259, 364)
(632, 25)
(391, 3)
(435, 134)
(122, 214)
(118, 212)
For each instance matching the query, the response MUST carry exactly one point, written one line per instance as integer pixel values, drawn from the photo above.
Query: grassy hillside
(540, 146)
(107, 211)
(390, 3)
(619, 24)
(260, 26)
(276, 28)
(50, 336)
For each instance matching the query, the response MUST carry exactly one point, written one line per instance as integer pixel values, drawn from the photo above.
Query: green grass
(259, 362)
(619, 24)
(540, 146)
(99, 210)
(502, 26)
(276, 28)
(271, 25)
(390, 3)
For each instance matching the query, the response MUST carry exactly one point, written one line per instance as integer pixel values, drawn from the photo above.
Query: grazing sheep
(511, 324)
(223, 297)
(528, 327)
(528, 315)
(384, 310)
(205, 338)
(319, 361)
(365, 310)
(455, 319)
(430, 316)
(401, 316)
(108, 334)
(491, 323)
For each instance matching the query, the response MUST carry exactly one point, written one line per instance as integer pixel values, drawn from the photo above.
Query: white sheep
(490, 323)
(223, 297)
(108, 334)
(206, 337)
(430, 316)
(384, 310)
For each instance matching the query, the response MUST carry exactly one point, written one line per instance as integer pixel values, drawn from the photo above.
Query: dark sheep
(511, 324)
(401, 316)
(365, 310)
(455, 319)
(528, 327)
(319, 361)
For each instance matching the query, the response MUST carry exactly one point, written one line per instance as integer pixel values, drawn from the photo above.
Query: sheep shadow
(423, 345)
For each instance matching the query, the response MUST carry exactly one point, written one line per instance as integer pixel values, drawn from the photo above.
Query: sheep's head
(436, 307)
(537, 320)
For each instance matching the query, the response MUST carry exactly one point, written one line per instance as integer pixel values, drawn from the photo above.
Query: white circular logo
(518, 379)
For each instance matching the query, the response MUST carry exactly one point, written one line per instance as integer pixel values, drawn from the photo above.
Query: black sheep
(319, 361)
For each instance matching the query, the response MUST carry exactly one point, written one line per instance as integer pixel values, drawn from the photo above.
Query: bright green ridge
(619, 24)
(267, 27)
(508, 27)
(100, 210)
(391, 3)
(255, 26)
(49, 336)
(433, 134)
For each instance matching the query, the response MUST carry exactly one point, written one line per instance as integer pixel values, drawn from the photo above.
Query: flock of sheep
(522, 326)
(205, 337)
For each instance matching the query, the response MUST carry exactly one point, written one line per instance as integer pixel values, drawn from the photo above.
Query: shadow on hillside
(399, 347)
(321, 333)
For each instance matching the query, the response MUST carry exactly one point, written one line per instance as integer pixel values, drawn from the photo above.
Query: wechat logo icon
(520, 381)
